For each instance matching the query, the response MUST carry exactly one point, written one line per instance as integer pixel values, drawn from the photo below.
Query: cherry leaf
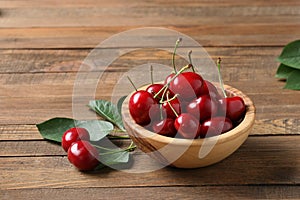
(293, 80)
(284, 71)
(290, 55)
(53, 129)
(108, 111)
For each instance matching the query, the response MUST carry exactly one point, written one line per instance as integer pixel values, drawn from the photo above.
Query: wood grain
(201, 192)
(146, 15)
(238, 62)
(278, 126)
(207, 35)
(86, 24)
(260, 160)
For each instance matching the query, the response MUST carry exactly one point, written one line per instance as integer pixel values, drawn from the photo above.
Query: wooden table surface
(42, 45)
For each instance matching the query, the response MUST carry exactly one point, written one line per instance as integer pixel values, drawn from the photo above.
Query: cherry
(234, 106)
(203, 107)
(209, 89)
(215, 126)
(187, 85)
(165, 127)
(168, 78)
(187, 126)
(155, 88)
(72, 135)
(174, 103)
(140, 104)
(83, 155)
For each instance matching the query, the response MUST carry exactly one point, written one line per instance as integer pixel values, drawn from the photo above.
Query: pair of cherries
(83, 155)
(185, 104)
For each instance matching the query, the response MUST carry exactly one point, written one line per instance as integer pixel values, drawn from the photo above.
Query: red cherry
(187, 85)
(140, 104)
(209, 89)
(203, 107)
(234, 106)
(83, 155)
(168, 78)
(155, 88)
(187, 126)
(72, 135)
(215, 126)
(175, 105)
(165, 127)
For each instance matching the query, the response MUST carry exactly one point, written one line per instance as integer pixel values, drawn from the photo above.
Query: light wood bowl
(188, 153)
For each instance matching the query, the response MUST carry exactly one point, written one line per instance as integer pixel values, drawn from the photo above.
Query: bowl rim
(241, 128)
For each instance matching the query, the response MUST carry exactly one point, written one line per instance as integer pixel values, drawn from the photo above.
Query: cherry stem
(112, 151)
(220, 77)
(118, 136)
(162, 96)
(177, 74)
(132, 83)
(175, 96)
(174, 52)
(151, 74)
(190, 59)
(174, 111)
(160, 111)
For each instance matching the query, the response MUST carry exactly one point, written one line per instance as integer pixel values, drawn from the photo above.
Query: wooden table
(42, 45)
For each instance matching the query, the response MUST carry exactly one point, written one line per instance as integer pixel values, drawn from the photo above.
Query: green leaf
(114, 157)
(290, 55)
(284, 71)
(120, 102)
(98, 129)
(108, 111)
(54, 128)
(293, 80)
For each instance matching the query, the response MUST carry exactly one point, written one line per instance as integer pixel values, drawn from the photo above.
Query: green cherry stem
(177, 74)
(119, 136)
(220, 77)
(151, 74)
(190, 59)
(132, 83)
(174, 111)
(112, 151)
(174, 52)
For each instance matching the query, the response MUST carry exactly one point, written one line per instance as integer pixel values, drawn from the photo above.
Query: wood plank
(32, 110)
(28, 25)
(278, 126)
(259, 161)
(197, 192)
(140, 15)
(130, 3)
(255, 34)
(238, 62)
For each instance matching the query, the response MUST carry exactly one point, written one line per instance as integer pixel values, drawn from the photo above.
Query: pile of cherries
(81, 153)
(186, 106)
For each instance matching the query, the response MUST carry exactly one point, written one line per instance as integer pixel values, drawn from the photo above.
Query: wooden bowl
(190, 153)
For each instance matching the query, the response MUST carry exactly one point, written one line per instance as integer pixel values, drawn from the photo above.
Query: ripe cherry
(203, 107)
(156, 88)
(165, 127)
(187, 85)
(72, 135)
(140, 104)
(209, 89)
(168, 78)
(215, 126)
(234, 106)
(187, 126)
(83, 155)
(174, 103)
